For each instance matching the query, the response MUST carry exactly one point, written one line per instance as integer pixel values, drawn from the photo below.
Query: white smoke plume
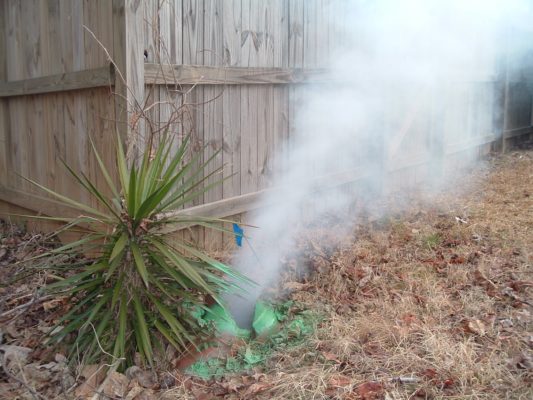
(398, 76)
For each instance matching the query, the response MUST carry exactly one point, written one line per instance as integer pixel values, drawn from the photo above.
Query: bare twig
(36, 299)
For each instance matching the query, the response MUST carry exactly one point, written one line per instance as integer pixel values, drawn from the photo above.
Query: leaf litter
(413, 304)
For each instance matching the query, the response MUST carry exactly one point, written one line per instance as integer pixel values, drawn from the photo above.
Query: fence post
(128, 53)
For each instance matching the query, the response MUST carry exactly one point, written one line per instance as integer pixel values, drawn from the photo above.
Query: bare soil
(429, 301)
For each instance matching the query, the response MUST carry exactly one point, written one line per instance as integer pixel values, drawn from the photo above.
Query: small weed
(432, 241)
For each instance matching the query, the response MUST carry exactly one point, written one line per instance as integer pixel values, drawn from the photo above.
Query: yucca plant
(142, 288)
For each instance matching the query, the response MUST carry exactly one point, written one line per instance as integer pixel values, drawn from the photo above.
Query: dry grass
(429, 303)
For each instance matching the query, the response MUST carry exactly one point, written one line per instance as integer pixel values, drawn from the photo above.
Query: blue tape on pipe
(238, 234)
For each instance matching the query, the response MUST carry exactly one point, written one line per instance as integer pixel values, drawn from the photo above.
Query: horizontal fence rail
(86, 79)
(160, 74)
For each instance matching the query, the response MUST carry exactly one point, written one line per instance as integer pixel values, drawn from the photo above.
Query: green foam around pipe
(265, 320)
(224, 323)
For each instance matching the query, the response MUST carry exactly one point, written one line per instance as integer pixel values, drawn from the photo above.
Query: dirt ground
(433, 301)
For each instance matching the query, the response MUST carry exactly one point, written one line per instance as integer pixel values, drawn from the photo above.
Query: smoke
(408, 79)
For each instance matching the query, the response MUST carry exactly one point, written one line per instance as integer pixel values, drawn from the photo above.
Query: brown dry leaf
(35, 373)
(13, 331)
(475, 326)
(339, 381)
(233, 385)
(86, 389)
(408, 319)
(370, 391)
(134, 391)
(115, 385)
(330, 356)
(54, 303)
(199, 394)
(448, 383)
(16, 354)
(429, 373)
(457, 259)
(257, 388)
(147, 394)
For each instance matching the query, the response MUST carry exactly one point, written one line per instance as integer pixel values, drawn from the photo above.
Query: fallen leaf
(147, 394)
(35, 373)
(167, 381)
(94, 375)
(339, 381)
(146, 379)
(16, 354)
(370, 390)
(330, 356)
(115, 384)
(54, 303)
(233, 385)
(133, 392)
(257, 388)
(60, 358)
(457, 259)
(408, 319)
(201, 395)
(474, 326)
(420, 393)
(448, 382)
(429, 373)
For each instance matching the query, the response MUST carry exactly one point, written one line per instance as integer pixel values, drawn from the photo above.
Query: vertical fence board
(212, 110)
(4, 109)
(193, 31)
(231, 98)
(296, 60)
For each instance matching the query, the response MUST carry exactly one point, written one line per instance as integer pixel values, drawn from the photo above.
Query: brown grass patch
(429, 303)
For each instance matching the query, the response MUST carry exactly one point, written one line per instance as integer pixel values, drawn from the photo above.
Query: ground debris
(425, 303)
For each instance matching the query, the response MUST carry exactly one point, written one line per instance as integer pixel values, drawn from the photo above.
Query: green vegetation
(432, 241)
(295, 327)
(142, 288)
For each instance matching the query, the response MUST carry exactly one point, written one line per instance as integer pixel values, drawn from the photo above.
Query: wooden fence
(238, 67)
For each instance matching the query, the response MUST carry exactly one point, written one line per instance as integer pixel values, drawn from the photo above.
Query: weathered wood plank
(128, 54)
(271, 54)
(36, 203)
(91, 78)
(296, 60)
(251, 201)
(192, 100)
(4, 109)
(252, 45)
(231, 98)
(213, 54)
(207, 75)
(47, 135)
(12, 72)
(512, 133)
